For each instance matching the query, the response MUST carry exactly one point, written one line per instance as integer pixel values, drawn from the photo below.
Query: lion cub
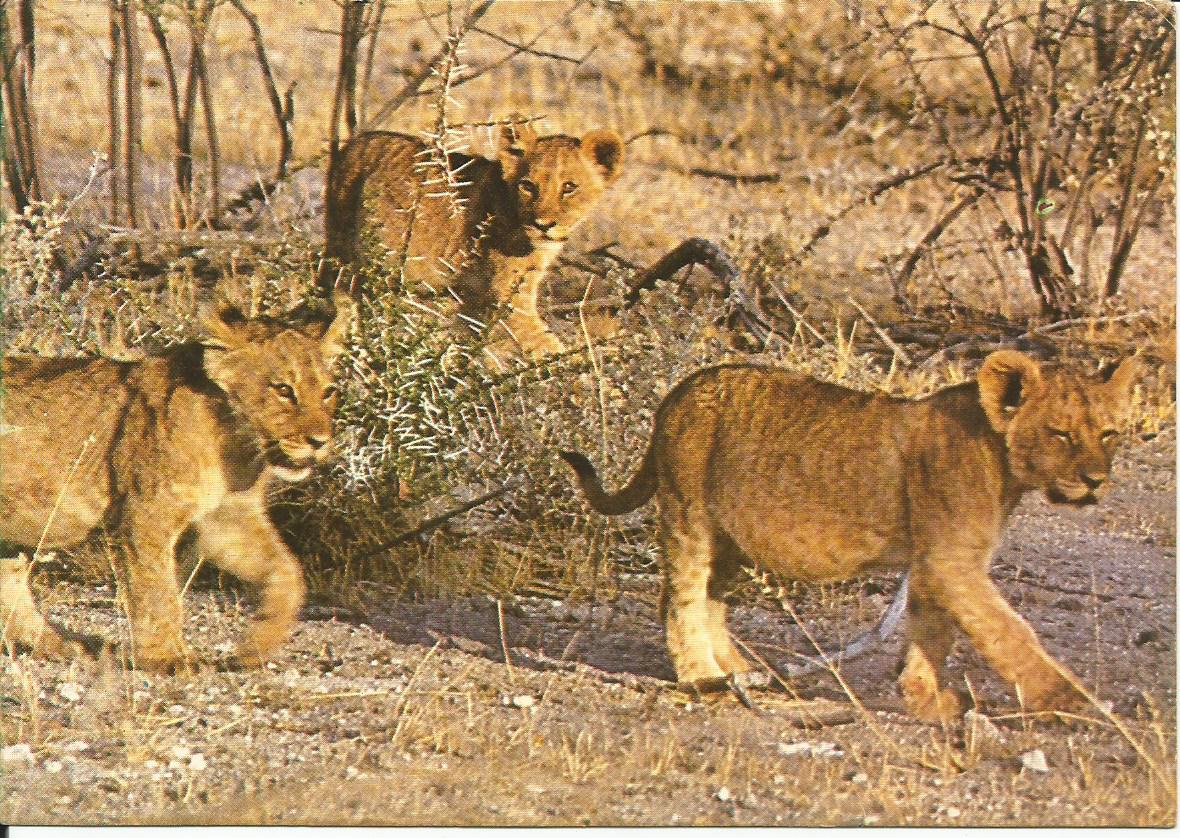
(147, 451)
(815, 481)
(486, 241)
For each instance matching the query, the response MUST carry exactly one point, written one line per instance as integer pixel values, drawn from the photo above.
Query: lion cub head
(1061, 428)
(557, 179)
(277, 376)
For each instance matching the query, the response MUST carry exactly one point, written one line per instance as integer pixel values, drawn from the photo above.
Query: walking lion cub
(815, 481)
(150, 450)
(485, 241)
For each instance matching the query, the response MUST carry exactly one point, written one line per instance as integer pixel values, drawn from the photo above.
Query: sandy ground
(398, 712)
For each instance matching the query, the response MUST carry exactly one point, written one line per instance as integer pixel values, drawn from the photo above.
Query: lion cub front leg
(245, 543)
(151, 591)
(1004, 639)
(517, 292)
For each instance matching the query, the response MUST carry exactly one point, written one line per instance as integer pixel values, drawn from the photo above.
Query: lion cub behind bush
(486, 240)
(815, 481)
(149, 450)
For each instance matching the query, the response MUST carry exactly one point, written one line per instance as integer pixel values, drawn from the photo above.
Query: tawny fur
(146, 451)
(815, 481)
(490, 239)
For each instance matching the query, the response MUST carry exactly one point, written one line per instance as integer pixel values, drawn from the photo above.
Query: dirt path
(407, 713)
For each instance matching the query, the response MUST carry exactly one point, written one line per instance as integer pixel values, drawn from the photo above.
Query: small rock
(815, 749)
(150, 764)
(52, 766)
(952, 812)
(70, 691)
(523, 701)
(860, 778)
(181, 751)
(197, 762)
(1034, 760)
(981, 727)
(789, 749)
(723, 794)
(17, 753)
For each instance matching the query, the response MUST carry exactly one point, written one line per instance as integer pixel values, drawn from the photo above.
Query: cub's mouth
(1071, 496)
(289, 468)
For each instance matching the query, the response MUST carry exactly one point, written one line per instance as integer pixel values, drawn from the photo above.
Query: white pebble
(197, 762)
(523, 701)
(952, 812)
(52, 767)
(723, 794)
(1035, 761)
(181, 751)
(17, 753)
(70, 691)
(789, 749)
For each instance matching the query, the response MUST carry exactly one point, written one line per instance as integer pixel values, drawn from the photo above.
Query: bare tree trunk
(17, 53)
(207, 107)
(114, 148)
(133, 109)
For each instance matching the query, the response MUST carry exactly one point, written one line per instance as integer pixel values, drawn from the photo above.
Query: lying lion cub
(815, 481)
(149, 450)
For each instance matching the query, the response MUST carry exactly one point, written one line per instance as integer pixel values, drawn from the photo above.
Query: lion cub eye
(329, 393)
(529, 188)
(284, 391)
(1108, 435)
(568, 188)
(1057, 433)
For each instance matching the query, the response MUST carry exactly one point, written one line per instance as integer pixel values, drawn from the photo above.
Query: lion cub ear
(604, 149)
(517, 139)
(1117, 382)
(1006, 380)
(222, 326)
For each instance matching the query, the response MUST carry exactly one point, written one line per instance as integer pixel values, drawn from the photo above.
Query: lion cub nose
(1093, 480)
(544, 226)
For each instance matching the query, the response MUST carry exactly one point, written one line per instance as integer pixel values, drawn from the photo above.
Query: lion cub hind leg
(21, 624)
(931, 635)
(246, 544)
(684, 599)
(727, 564)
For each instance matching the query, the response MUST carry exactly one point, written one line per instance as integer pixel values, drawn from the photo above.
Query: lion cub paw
(941, 706)
(1063, 697)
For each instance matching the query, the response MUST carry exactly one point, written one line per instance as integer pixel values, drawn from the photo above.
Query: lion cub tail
(632, 496)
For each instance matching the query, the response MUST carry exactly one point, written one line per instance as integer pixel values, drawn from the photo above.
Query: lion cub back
(381, 184)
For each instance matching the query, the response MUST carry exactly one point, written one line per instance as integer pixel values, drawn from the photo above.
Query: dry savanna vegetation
(874, 193)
